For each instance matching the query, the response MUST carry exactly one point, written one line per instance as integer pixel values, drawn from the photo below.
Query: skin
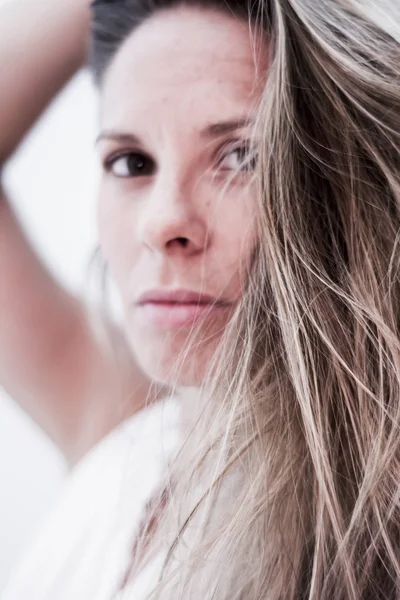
(170, 227)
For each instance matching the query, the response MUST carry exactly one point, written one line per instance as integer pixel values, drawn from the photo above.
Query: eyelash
(108, 164)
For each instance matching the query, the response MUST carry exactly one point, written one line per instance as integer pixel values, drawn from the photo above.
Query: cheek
(236, 226)
(115, 236)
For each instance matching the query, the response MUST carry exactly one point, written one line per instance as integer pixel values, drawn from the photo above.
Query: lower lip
(170, 315)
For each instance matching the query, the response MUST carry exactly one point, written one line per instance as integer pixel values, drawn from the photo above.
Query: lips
(176, 308)
(178, 296)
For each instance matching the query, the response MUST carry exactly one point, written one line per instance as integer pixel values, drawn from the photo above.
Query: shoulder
(144, 434)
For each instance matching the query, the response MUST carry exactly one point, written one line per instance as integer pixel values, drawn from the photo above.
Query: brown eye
(132, 164)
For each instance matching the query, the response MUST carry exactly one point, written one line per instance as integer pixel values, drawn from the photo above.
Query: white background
(51, 182)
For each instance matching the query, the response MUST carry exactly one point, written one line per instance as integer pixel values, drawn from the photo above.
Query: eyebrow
(210, 131)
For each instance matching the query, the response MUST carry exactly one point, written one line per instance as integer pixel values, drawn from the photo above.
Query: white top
(83, 550)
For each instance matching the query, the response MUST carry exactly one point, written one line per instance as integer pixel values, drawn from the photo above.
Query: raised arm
(42, 44)
(50, 360)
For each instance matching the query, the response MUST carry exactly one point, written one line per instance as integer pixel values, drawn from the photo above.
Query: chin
(167, 360)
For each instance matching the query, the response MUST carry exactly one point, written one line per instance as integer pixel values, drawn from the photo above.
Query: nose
(171, 220)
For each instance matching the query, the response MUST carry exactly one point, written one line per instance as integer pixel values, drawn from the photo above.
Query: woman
(249, 213)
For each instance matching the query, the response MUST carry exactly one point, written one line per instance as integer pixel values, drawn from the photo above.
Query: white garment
(83, 550)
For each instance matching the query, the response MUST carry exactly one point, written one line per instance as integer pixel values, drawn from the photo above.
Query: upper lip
(179, 296)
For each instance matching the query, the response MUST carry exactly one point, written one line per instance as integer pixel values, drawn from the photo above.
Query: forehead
(185, 63)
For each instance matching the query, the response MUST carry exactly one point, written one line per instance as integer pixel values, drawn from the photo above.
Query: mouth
(177, 308)
(169, 308)
(175, 314)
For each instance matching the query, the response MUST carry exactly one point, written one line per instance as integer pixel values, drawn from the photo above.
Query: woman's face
(173, 131)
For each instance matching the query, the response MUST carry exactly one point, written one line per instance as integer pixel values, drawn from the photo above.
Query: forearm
(42, 44)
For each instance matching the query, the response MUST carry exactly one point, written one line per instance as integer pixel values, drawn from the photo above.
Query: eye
(130, 164)
(241, 158)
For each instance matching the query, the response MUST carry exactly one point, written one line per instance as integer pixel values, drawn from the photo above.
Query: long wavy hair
(288, 485)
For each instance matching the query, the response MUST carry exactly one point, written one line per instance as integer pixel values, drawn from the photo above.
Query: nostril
(182, 241)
